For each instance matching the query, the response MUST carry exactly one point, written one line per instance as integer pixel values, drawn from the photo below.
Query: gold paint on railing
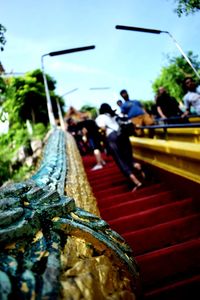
(89, 276)
(88, 273)
(77, 185)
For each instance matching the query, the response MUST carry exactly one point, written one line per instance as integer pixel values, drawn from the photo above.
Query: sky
(121, 59)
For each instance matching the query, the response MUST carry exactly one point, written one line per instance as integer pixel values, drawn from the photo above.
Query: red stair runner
(162, 227)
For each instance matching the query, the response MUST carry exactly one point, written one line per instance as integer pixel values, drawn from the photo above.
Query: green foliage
(171, 76)
(4, 170)
(187, 7)
(2, 37)
(39, 131)
(17, 136)
(30, 97)
(91, 109)
(26, 98)
(22, 173)
(147, 104)
(11, 105)
(11, 142)
(23, 98)
(2, 87)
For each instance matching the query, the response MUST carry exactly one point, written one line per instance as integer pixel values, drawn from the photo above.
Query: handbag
(126, 127)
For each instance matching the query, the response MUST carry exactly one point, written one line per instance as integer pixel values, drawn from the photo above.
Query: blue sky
(121, 59)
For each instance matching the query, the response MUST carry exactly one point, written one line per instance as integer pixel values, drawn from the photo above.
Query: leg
(137, 121)
(139, 168)
(114, 145)
(148, 120)
(122, 154)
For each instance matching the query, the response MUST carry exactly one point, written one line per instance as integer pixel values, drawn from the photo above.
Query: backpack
(126, 127)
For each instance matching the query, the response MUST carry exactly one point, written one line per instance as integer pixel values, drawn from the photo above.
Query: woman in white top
(119, 145)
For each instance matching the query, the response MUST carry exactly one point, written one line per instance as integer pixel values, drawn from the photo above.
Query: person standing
(167, 106)
(134, 110)
(192, 97)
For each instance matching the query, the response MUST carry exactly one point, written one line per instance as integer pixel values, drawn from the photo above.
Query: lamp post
(100, 88)
(55, 53)
(62, 122)
(49, 105)
(155, 31)
(69, 92)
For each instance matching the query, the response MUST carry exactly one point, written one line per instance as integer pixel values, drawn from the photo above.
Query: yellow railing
(191, 135)
(177, 150)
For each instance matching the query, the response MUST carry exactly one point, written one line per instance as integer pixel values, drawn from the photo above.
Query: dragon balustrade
(54, 245)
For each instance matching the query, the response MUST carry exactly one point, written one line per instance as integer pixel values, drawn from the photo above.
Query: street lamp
(62, 122)
(69, 92)
(155, 31)
(55, 53)
(100, 88)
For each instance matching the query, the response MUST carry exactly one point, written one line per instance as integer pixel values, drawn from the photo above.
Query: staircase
(160, 224)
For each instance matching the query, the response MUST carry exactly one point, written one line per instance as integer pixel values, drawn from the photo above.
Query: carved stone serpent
(35, 220)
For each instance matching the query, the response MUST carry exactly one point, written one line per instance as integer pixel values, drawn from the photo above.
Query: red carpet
(160, 224)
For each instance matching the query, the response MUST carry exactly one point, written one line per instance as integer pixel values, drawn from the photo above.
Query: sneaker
(97, 167)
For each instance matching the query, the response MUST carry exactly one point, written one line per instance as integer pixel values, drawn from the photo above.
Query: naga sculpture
(37, 219)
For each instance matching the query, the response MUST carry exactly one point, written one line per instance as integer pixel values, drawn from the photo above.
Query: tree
(2, 37)
(2, 89)
(187, 7)
(26, 98)
(23, 98)
(171, 76)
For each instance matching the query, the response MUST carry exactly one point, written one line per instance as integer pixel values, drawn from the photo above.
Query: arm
(187, 106)
(159, 110)
(187, 111)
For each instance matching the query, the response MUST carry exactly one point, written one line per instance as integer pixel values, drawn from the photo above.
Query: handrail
(165, 126)
(37, 219)
(172, 147)
(165, 120)
(152, 132)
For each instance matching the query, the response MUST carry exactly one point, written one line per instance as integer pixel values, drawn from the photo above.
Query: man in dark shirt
(167, 106)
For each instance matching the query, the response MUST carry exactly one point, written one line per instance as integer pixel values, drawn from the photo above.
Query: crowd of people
(167, 107)
(102, 133)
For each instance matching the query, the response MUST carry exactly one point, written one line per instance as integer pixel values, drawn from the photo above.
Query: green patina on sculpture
(35, 220)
